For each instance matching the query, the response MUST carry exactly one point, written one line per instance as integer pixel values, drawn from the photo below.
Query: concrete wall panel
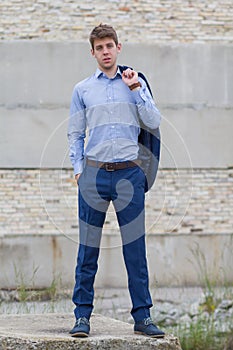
(174, 260)
(192, 84)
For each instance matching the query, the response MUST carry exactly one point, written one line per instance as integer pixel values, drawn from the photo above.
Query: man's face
(105, 51)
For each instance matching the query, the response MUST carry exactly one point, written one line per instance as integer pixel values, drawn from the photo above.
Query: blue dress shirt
(109, 113)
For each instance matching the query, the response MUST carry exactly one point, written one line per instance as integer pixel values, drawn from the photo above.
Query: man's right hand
(77, 177)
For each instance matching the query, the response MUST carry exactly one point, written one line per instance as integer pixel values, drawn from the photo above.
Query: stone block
(51, 331)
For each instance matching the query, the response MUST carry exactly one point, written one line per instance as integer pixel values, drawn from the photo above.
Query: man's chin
(108, 64)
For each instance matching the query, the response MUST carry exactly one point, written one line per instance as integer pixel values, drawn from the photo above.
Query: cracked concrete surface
(51, 331)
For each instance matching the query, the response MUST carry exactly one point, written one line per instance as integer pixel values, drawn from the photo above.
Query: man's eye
(98, 48)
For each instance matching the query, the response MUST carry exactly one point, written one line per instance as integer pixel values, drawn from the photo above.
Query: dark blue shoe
(148, 328)
(81, 328)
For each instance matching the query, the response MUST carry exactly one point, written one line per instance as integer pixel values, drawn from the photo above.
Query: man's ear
(92, 53)
(119, 47)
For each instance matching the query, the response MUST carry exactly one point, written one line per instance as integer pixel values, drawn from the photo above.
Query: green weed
(26, 289)
(208, 284)
(23, 286)
(202, 335)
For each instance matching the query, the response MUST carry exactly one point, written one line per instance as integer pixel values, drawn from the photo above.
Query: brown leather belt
(113, 166)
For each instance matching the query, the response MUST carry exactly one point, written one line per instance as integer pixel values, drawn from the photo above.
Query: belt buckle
(109, 167)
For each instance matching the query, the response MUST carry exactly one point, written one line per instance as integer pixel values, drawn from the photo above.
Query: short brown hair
(103, 31)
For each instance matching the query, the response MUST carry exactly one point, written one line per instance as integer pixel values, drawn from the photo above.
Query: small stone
(225, 304)
(175, 312)
(170, 321)
(194, 309)
(159, 317)
(185, 319)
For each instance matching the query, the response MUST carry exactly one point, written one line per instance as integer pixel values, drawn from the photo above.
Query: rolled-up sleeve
(148, 112)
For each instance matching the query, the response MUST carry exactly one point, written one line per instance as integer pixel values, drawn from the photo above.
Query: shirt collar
(99, 73)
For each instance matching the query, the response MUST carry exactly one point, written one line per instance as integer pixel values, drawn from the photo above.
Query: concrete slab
(54, 256)
(50, 331)
(46, 145)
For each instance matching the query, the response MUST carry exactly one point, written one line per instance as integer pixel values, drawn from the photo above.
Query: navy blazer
(149, 141)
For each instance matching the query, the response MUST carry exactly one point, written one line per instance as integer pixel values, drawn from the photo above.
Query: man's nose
(105, 50)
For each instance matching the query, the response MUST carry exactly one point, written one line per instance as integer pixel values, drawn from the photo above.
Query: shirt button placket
(109, 91)
(112, 130)
(110, 96)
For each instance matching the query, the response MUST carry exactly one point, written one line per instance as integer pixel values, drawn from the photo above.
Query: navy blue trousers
(125, 188)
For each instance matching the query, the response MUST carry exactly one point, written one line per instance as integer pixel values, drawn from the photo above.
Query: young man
(110, 104)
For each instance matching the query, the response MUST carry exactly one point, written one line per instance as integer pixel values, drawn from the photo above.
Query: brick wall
(182, 201)
(136, 21)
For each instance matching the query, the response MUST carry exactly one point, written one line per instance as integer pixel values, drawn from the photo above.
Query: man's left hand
(129, 77)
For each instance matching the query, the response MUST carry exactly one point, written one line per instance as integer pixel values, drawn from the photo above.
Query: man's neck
(111, 72)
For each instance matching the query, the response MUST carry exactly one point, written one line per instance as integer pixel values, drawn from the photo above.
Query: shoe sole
(79, 335)
(148, 335)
